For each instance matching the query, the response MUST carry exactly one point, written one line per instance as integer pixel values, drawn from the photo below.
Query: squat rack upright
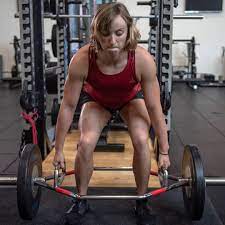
(33, 96)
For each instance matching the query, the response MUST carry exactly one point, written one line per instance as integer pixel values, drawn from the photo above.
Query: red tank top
(111, 91)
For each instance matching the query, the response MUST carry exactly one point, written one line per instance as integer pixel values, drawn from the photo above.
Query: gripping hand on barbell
(164, 161)
(59, 160)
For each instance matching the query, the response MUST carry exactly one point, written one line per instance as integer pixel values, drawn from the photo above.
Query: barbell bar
(209, 181)
(51, 16)
(215, 181)
(29, 182)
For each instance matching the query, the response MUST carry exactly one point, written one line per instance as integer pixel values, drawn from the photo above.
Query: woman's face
(115, 40)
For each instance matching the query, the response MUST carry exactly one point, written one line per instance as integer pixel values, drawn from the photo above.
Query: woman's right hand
(59, 160)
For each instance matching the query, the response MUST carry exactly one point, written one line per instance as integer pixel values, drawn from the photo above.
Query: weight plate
(28, 194)
(194, 192)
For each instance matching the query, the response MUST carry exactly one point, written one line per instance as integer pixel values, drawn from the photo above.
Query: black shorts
(85, 97)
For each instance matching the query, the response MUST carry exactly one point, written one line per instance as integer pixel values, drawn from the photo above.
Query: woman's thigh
(93, 118)
(136, 116)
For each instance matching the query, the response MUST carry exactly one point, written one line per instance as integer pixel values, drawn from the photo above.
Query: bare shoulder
(145, 64)
(142, 55)
(79, 63)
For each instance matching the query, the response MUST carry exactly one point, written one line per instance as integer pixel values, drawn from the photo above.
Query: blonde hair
(103, 18)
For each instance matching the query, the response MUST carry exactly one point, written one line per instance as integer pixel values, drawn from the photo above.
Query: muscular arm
(150, 86)
(72, 89)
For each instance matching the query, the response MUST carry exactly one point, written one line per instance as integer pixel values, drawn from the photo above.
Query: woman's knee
(140, 140)
(85, 148)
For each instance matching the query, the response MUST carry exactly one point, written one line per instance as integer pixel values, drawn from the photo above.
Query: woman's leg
(92, 120)
(135, 115)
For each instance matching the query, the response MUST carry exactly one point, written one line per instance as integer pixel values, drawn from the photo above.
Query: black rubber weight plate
(194, 193)
(28, 195)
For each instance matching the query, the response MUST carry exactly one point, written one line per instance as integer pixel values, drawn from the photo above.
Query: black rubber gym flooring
(198, 117)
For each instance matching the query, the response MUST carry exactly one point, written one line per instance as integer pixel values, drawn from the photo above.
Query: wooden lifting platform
(104, 159)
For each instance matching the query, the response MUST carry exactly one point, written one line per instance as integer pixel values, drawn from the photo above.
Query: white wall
(209, 33)
(9, 26)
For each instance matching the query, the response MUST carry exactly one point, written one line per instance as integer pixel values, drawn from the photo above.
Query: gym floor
(198, 117)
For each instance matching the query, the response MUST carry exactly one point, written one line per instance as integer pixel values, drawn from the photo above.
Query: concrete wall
(209, 33)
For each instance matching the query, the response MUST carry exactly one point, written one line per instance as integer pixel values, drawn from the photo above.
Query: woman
(113, 73)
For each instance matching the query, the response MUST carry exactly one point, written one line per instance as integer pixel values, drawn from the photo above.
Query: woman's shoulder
(142, 52)
(80, 59)
(142, 56)
(81, 54)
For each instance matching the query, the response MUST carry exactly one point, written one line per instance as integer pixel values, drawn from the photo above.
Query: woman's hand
(59, 160)
(164, 161)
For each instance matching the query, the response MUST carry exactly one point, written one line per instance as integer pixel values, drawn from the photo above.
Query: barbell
(54, 16)
(153, 22)
(176, 17)
(29, 182)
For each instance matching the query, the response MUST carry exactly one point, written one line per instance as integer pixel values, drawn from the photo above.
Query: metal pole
(174, 17)
(144, 3)
(113, 168)
(215, 181)
(51, 16)
(209, 181)
(135, 17)
(8, 180)
(181, 17)
(113, 197)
